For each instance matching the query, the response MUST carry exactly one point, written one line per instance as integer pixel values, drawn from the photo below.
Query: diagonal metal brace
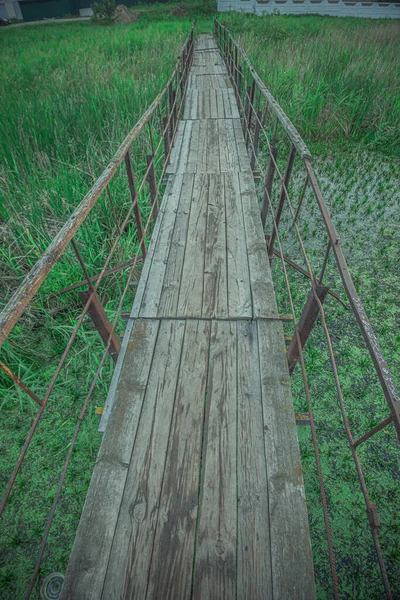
(305, 324)
(101, 322)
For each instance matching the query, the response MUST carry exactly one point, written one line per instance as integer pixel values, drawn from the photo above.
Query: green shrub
(104, 11)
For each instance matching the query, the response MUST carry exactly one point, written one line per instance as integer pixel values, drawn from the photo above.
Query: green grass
(69, 95)
(337, 79)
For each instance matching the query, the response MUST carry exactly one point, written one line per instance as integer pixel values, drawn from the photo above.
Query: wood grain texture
(173, 273)
(262, 289)
(292, 565)
(191, 289)
(198, 491)
(254, 576)
(152, 294)
(172, 560)
(215, 558)
(239, 289)
(130, 557)
(215, 295)
(87, 566)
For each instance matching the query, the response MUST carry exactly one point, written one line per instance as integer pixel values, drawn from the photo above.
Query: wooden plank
(220, 104)
(239, 290)
(193, 149)
(243, 155)
(215, 297)
(152, 294)
(203, 148)
(262, 289)
(227, 105)
(172, 562)
(183, 157)
(230, 97)
(130, 557)
(254, 578)
(87, 566)
(188, 104)
(213, 104)
(228, 149)
(173, 273)
(215, 565)
(212, 148)
(202, 80)
(292, 565)
(174, 160)
(191, 289)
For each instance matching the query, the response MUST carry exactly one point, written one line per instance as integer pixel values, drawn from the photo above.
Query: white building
(334, 8)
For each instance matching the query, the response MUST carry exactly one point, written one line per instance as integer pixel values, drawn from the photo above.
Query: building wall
(9, 9)
(335, 8)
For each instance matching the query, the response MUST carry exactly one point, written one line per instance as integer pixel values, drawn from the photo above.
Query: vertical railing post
(152, 184)
(230, 57)
(282, 197)
(171, 115)
(251, 109)
(240, 77)
(174, 113)
(246, 110)
(269, 180)
(254, 149)
(166, 139)
(306, 323)
(135, 201)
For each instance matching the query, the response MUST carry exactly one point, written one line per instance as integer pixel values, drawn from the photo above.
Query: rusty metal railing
(269, 135)
(141, 161)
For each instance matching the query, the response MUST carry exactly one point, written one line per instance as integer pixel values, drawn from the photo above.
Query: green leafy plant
(104, 11)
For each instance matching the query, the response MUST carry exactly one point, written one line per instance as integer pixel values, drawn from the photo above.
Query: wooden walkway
(198, 491)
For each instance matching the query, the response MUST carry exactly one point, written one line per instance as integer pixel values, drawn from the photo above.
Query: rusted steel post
(328, 249)
(174, 114)
(305, 324)
(135, 201)
(250, 113)
(152, 184)
(171, 115)
(166, 139)
(101, 322)
(269, 180)
(303, 193)
(254, 148)
(20, 383)
(236, 67)
(246, 110)
(231, 59)
(240, 76)
(282, 197)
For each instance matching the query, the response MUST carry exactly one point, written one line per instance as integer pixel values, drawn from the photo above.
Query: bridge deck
(197, 490)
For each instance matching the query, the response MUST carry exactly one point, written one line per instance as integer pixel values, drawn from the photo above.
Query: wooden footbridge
(197, 491)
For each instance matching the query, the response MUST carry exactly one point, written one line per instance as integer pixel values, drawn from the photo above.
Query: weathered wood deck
(198, 490)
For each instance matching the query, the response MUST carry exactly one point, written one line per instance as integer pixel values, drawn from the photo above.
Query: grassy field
(69, 95)
(337, 79)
